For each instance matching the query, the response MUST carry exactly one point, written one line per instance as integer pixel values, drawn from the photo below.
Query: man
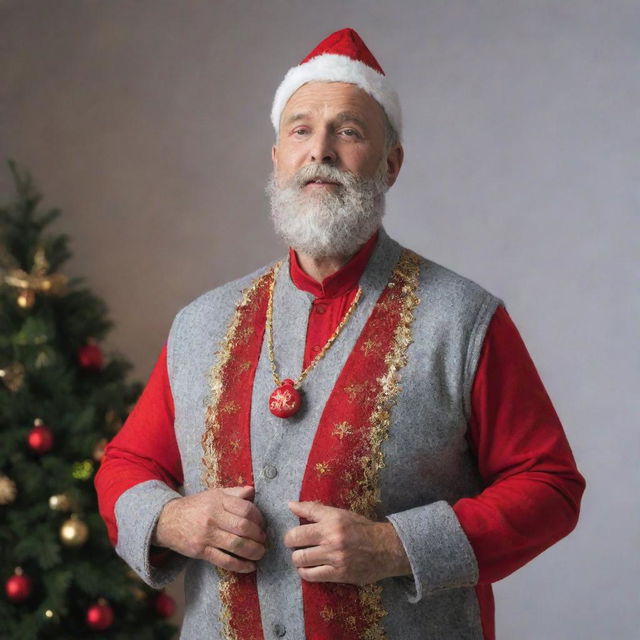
(363, 440)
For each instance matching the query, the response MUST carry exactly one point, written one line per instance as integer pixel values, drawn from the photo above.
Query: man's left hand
(342, 546)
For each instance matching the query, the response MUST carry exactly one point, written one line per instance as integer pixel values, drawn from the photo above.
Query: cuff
(137, 511)
(439, 551)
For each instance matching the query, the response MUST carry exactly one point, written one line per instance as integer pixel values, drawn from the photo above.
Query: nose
(322, 150)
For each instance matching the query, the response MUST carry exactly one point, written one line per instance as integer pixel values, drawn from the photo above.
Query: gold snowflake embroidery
(230, 407)
(245, 333)
(327, 614)
(369, 345)
(342, 429)
(360, 391)
(322, 468)
(241, 369)
(281, 400)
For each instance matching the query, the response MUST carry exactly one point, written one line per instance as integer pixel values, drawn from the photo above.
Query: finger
(320, 574)
(221, 559)
(314, 511)
(305, 535)
(247, 492)
(241, 547)
(243, 508)
(310, 557)
(241, 527)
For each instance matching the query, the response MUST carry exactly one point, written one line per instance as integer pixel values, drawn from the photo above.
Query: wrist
(159, 534)
(397, 563)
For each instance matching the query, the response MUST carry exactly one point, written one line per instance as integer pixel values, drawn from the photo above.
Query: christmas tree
(61, 399)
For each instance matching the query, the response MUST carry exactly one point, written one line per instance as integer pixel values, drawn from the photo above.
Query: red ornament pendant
(285, 400)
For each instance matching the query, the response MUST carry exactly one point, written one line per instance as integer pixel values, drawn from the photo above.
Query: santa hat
(340, 57)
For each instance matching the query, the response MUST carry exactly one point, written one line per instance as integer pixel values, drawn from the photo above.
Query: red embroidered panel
(346, 455)
(227, 443)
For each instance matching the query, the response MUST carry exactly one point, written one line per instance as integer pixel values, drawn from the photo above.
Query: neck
(320, 268)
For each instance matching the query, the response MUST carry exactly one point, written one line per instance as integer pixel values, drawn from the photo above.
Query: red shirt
(533, 488)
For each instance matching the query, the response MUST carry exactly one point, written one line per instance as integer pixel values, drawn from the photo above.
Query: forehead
(326, 99)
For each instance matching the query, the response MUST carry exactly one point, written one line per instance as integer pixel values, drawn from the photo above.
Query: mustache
(324, 172)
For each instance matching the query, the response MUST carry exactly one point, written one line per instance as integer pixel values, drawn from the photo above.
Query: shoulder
(452, 290)
(217, 303)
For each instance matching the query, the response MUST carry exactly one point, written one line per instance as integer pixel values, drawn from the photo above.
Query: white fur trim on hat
(332, 67)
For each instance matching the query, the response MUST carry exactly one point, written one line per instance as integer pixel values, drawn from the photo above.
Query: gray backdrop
(147, 123)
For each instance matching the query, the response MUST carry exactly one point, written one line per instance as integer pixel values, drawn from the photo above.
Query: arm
(139, 473)
(532, 486)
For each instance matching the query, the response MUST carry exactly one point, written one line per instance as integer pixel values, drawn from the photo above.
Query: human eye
(300, 132)
(350, 132)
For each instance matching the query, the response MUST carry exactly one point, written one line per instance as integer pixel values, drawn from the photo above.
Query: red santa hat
(340, 57)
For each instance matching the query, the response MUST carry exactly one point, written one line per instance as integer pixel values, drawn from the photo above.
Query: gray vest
(428, 463)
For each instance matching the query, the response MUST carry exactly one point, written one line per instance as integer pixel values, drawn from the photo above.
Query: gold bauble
(98, 450)
(13, 376)
(60, 502)
(74, 532)
(8, 490)
(26, 298)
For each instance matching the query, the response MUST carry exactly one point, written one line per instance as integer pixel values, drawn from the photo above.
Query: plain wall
(147, 123)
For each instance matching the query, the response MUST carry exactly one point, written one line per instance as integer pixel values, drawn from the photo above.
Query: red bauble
(100, 615)
(164, 605)
(18, 587)
(285, 400)
(90, 357)
(40, 438)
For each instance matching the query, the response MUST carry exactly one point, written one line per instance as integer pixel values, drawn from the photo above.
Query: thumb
(246, 493)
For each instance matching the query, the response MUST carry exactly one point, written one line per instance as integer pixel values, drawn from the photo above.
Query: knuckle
(299, 558)
(336, 540)
(234, 522)
(244, 527)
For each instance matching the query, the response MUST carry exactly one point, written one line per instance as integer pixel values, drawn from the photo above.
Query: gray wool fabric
(428, 463)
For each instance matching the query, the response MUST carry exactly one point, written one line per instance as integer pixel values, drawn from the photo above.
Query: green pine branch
(42, 339)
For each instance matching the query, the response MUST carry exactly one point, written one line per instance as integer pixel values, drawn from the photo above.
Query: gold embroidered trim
(226, 580)
(405, 275)
(210, 475)
(210, 472)
(364, 498)
(370, 596)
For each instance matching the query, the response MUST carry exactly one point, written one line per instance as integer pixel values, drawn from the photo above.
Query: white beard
(329, 221)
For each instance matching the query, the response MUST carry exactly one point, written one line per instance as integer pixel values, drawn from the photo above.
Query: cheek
(289, 158)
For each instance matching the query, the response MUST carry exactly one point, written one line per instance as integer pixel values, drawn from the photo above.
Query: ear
(394, 162)
(274, 157)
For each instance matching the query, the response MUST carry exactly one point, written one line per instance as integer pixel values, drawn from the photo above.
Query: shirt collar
(338, 283)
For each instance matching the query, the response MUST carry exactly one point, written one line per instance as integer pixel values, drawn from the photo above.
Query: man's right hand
(212, 524)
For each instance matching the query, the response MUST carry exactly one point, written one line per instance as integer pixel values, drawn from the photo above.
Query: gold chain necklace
(286, 399)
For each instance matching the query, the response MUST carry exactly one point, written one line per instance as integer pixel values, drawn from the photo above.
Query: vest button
(280, 630)
(270, 471)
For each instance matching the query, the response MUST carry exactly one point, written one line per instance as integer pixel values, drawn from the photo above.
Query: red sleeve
(532, 485)
(145, 448)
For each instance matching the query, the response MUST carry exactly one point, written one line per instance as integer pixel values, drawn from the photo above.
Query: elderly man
(363, 441)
